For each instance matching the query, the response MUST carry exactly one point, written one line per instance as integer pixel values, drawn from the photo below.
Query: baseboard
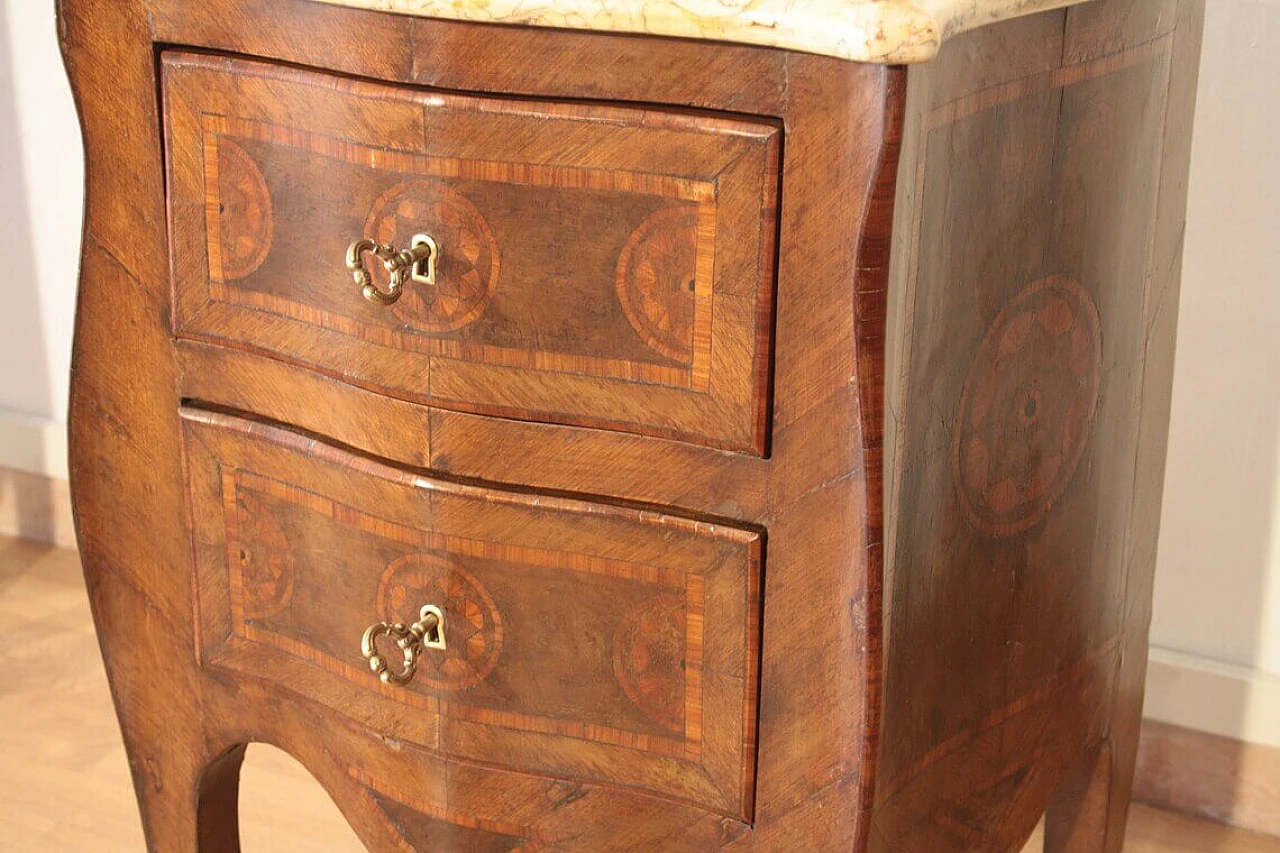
(34, 445)
(35, 502)
(1210, 776)
(1206, 696)
(36, 506)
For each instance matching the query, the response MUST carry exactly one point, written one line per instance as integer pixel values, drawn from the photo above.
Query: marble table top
(886, 31)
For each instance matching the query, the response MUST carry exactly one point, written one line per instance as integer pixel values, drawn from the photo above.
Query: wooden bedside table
(494, 417)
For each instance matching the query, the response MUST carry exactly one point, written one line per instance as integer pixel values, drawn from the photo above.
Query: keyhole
(1029, 415)
(433, 629)
(433, 634)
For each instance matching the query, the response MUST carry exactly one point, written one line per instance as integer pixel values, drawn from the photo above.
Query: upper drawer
(598, 266)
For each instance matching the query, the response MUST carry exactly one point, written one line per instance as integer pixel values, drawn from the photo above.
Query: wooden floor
(64, 784)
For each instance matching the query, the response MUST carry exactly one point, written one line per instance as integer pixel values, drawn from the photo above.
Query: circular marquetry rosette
(467, 267)
(1027, 407)
(649, 659)
(245, 217)
(473, 626)
(656, 281)
(265, 558)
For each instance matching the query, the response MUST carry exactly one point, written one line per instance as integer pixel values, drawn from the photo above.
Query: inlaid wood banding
(598, 266)
(582, 640)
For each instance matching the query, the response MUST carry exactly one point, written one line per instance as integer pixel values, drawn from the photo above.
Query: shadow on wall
(1218, 577)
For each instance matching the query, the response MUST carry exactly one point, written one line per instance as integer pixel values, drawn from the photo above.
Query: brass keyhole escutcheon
(416, 263)
(412, 640)
(425, 249)
(433, 636)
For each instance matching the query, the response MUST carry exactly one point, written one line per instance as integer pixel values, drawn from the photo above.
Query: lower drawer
(581, 640)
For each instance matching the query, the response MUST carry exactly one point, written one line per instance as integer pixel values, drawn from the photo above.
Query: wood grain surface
(598, 266)
(583, 641)
(1035, 372)
(613, 491)
(817, 702)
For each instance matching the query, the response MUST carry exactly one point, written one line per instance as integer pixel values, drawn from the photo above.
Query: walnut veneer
(781, 440)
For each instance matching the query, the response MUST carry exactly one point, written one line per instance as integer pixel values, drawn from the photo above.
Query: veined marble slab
(887, 31)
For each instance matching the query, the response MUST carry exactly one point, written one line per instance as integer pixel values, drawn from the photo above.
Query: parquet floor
(64, 783)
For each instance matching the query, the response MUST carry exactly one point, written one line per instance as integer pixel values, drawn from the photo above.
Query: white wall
(41, 196)
(1216, 662)
(1218, 581)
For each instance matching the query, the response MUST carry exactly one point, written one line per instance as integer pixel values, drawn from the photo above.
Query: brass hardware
(416, 263)
(426, 633)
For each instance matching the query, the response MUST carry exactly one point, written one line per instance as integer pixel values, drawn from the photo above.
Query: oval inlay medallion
(657, 281)
(265, 558)
(1027, 407)
(467, 268)
(245, 217)
(649, 659)
(472, 626)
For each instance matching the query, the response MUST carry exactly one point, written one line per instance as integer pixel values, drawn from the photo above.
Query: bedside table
(659, 429)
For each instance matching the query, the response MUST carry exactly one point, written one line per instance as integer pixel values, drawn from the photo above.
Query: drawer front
(581, 640)
(598, 266)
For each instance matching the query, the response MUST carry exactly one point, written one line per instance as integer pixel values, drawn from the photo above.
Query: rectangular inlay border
(604, 266)
(237, 482)
(695, 376)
